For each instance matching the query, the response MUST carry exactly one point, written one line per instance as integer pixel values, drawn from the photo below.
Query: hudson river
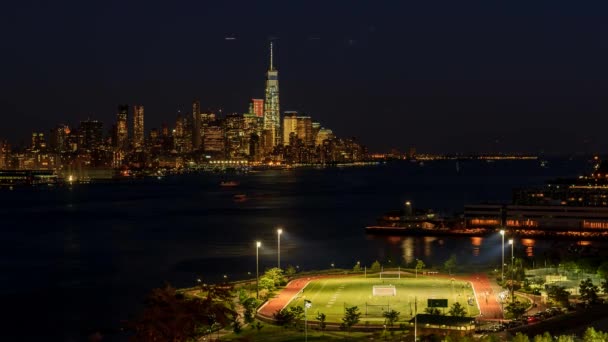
(79, 260)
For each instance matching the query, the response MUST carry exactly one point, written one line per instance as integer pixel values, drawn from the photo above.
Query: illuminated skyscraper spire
(271, 55)
(272, 117)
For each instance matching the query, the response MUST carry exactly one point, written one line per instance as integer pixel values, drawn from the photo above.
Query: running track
(486, 295)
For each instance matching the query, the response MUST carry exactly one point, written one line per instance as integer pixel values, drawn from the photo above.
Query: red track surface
(486, 296)
(290, 291)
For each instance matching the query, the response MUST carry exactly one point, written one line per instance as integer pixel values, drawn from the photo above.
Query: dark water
(79, 260)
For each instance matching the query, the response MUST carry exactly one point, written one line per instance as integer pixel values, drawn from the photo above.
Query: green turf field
(331, 296)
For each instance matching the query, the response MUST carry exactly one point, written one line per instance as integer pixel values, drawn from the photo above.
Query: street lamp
(307, 305)
(502, 274)
(512, 243)
(258, 244)
(279, 232)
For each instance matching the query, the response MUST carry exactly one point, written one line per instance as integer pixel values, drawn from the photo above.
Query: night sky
(447, 76)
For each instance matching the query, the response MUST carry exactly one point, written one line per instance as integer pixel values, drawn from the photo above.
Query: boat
(229, 183)
(240, 197)
(412, 221)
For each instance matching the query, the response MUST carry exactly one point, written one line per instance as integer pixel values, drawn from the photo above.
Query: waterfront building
(572, 206)
(272, 115)
(290, 125)
(138, 127)
(38, 142)
(5, 155)
(214, 140)
(236, 145)
(121, 137)
(257, 107)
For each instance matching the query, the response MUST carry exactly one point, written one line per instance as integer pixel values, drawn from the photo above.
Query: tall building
(138, 126)
(304, 130)
(213, 139)
(122, 127)
(272, 115)
(324, 134)
(257, 107)
(92, 134)
(290, 125)
(196, 124)
(58, 138)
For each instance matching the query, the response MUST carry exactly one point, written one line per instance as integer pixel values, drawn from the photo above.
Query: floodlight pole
(512, 242)
(415, 318)
(307, 305)
(279, 232)
(502, 274)
(258, 244)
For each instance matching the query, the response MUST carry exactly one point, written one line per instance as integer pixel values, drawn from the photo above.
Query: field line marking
(475, 294)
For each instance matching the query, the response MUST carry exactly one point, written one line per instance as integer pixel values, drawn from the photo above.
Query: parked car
(532, 319)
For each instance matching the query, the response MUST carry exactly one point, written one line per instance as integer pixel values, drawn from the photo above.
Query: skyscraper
(257, 107)
(92, 133)
(304, 130)
(122, 127)
(196, 126)
(272, 116)
(138, 126)
(290, 125)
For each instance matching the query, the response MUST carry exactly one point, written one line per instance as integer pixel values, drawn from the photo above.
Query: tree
(592, 335)
(250, 305)
(546, 337)
(605, 286)
(519, 337)
(298, 314)
(173, 316)
(602, 270)
(351, 317)
(457, 310)
(559, 295)
(390, 317)
(516, 309)
(564, 338)
(375, 267)
(290, 270)
(450, 264)
(419, 266)
(283, 317)
(588, 291)
(357, 267)
(276, 274)
(267, 283)
(321, 318)
(432, 311)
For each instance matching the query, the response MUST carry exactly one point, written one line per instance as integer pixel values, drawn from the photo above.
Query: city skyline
(457, 78)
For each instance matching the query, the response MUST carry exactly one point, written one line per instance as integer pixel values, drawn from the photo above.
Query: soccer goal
(384, 290)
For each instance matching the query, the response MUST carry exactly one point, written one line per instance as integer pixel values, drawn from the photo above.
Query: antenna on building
(271, 64)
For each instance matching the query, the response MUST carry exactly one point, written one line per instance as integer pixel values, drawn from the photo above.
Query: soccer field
(331, 296)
